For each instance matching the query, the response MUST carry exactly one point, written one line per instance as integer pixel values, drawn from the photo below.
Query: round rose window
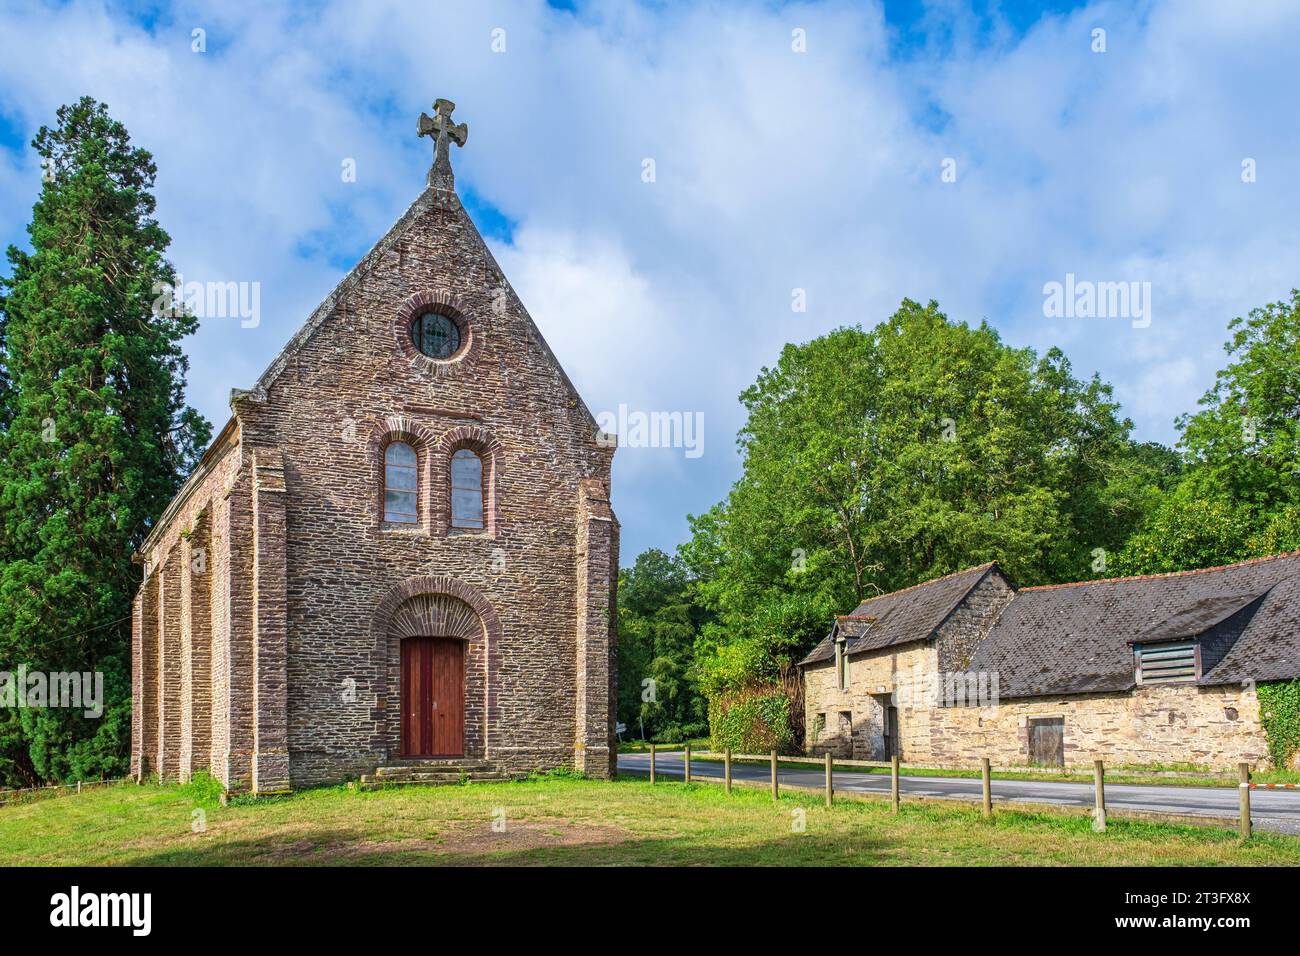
(435, 335)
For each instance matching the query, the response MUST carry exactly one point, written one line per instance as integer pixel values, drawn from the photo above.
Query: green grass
(643, 746)
(567, 820)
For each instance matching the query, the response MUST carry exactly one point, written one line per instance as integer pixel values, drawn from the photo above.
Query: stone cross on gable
(443, 131)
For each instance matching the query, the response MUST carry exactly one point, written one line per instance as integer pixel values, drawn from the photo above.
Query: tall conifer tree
(95, 435)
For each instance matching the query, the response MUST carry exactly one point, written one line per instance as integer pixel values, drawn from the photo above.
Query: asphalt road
(1275, 810)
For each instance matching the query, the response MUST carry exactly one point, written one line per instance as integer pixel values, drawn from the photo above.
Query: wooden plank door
(433, 697)
(893, 745)
(1047, 741)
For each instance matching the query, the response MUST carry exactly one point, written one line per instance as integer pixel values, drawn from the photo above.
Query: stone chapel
(399, 551)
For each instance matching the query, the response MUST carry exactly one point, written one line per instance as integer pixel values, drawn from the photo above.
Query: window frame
(414, 519)
(484, 464)
(417, 337)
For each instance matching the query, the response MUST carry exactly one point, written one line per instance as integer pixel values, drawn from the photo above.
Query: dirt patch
(463, 844)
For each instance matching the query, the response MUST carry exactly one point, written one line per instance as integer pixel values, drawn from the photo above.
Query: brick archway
(444, 604)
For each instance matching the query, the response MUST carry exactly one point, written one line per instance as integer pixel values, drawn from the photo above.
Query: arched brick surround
(399, 428)
(484, 444)
(455, 308)
(438, 607)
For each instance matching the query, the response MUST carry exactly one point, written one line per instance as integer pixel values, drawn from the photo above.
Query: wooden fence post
(775, 786)
(1243, 787)
(893, 782)
(652, 763)
(1099, 785)
(986, 773)
(830, 799)
(726, 768)
(78, 786)
(688, 763)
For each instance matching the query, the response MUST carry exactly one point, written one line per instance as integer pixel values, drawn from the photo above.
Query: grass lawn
(643, 746)
(560, 820)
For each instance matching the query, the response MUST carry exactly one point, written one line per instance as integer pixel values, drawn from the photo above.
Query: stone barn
(1139, 671)
(400, 549)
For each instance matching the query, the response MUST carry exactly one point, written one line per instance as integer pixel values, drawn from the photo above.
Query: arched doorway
(433, 697)
(436, 607)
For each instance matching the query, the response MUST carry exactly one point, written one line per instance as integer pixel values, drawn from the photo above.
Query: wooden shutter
(1166, 663)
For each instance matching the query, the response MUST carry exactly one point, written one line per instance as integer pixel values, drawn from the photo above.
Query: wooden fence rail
(895, 791)
(29, 794)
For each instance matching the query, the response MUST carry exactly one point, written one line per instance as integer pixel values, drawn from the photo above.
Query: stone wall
(901, 675)
(1215, 727)
(960, 636)
(874, 680)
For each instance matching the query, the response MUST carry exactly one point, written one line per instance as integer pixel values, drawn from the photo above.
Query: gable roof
(1077, 638)
(900, 617)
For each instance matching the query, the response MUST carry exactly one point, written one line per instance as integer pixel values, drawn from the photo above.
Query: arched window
(400, 483)
(466, 490)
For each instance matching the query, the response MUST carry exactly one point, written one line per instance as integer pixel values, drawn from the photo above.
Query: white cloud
(775, 170)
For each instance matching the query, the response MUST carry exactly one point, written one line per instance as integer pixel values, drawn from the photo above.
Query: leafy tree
(657, 626)
(1240, 493)
(96, 434)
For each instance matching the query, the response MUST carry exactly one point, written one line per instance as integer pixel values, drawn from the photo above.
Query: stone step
(369, 782)
(434, 766)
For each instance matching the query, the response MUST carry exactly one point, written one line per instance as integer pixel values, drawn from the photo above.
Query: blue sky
(776, 170)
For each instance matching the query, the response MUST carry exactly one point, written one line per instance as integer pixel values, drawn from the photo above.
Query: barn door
(433, 697)
(1047, 741)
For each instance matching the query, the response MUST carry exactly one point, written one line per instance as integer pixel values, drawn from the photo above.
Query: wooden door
(433, 697)
(1047, 741)
(893, 745)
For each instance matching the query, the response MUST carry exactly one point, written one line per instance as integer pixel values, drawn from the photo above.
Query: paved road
(1276, 810)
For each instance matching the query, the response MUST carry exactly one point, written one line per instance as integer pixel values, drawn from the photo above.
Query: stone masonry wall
(1214, 727)
(873, 678)
(960, 636)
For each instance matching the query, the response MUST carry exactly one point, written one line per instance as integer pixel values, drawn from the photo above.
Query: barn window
(841, 665)
(400, 483)
(466, 490)
(1166, 663)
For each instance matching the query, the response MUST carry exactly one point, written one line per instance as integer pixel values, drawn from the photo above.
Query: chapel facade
(400, 547)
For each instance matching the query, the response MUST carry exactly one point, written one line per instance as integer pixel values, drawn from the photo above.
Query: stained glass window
(435, 335)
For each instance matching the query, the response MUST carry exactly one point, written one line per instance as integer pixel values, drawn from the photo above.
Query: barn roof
(1078, 638)
(912, 614)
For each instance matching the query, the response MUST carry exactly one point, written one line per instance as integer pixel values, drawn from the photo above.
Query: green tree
(1239, 496)
(657, 626)
(96, 439)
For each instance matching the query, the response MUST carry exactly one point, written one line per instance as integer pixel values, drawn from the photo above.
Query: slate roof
(1077, 638)
(900, 617)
